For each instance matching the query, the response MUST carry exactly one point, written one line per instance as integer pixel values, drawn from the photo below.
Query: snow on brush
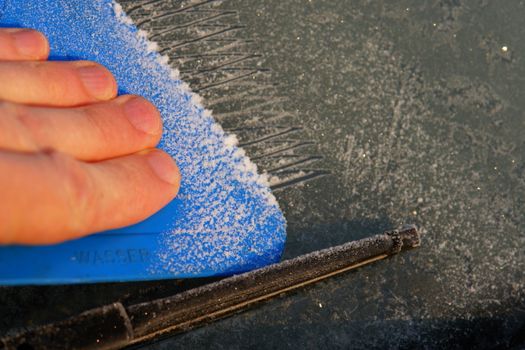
(217, 224)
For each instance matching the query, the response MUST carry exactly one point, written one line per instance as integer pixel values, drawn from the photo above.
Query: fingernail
(28, 42)
(97, 81)
(143, 115)
(164, 166)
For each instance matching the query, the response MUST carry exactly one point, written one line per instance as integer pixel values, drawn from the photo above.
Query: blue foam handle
(225, 219)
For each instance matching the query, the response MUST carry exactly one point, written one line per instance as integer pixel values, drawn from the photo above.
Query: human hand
(74, 158)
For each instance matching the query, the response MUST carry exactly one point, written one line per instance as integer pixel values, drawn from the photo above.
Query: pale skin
(75, 159)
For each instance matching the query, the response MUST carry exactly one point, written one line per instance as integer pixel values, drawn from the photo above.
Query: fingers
(49, 197)
(22, 44)
(99, 131)
(59, 84)
(66, 198)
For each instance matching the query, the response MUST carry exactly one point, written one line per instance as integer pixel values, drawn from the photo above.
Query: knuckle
(22, 115)
(22, 128)
(100, 127)
(5, 109)
(77, 187)
(53, 77)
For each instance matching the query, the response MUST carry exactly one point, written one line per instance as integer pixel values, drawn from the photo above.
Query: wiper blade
(115, 326)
